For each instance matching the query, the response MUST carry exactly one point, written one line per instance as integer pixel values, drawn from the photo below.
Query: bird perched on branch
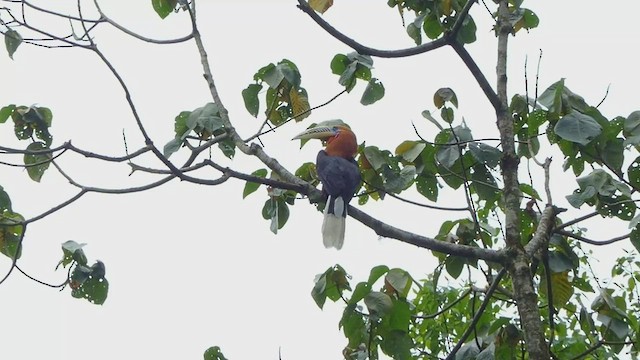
(339, 174)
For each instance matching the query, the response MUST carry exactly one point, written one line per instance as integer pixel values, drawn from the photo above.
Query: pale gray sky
(192, 266)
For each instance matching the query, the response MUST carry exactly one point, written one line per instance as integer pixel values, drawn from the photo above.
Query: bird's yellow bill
(320, 132)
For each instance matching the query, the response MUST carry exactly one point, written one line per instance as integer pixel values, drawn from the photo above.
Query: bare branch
(104, 17)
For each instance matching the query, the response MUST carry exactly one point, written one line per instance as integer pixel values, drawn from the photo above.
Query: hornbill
(339, 174)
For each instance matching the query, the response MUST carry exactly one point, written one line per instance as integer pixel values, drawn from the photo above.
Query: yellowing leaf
(561, 288)
(446, 7)
(299, 104)
(320, 5)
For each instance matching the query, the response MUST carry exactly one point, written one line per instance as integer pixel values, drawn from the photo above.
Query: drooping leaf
(373, 92)
(362, 289)
(12, 39)
(171, 147)
(428, 186)
(299, 104)
(427, 115)
(250, 98)
(214, 353)
(561, 288)
(164, 7)
(37, 163)
(251, 187)
(432, 26)
(320, 5)
(11, 232)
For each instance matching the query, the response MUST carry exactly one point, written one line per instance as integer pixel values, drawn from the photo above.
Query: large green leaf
(577, 127)
(378, 303)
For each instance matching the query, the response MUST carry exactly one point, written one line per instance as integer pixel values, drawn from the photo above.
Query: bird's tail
(333, 225)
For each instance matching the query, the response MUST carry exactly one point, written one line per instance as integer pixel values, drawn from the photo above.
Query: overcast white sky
(193, 266)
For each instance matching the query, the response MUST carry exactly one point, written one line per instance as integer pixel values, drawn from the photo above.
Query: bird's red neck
(343, 144)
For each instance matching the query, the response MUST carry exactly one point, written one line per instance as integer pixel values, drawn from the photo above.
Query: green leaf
(467, 33)
(171, 147)
(432, 26)
(378, 303)
(399, 280)
(11, 41)
(339, 64)
(444, 95)
(485, 154)
(228, 147)
(94, 289)
(447, 155)
(529, 190)
(214, 353)
(250, 97)
(276, 210)
(318, 293)
(5, 112)
(375, 157)
(347, 78)
(484, 184)
(577, 127)
(428, 186)
(376, 273)
(531, 20)
(180, 126)
(415, 33)
(454, 265)
(5, 201)
(397, 344)
(353, 326)
(72, 251)
(10, 234)
(613, 155)
(362, 289)
(373, 92)
(164, 7)
(635, 238)
(251, 187)
(37, 164)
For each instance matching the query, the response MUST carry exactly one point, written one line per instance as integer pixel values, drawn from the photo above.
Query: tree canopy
(504, 199)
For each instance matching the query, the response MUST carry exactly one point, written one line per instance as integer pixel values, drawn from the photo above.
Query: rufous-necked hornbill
(339, 174)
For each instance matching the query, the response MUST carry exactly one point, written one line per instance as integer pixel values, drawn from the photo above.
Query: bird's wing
(339, 176)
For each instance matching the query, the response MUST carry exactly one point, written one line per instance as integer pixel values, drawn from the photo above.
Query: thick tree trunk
(519, 267)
